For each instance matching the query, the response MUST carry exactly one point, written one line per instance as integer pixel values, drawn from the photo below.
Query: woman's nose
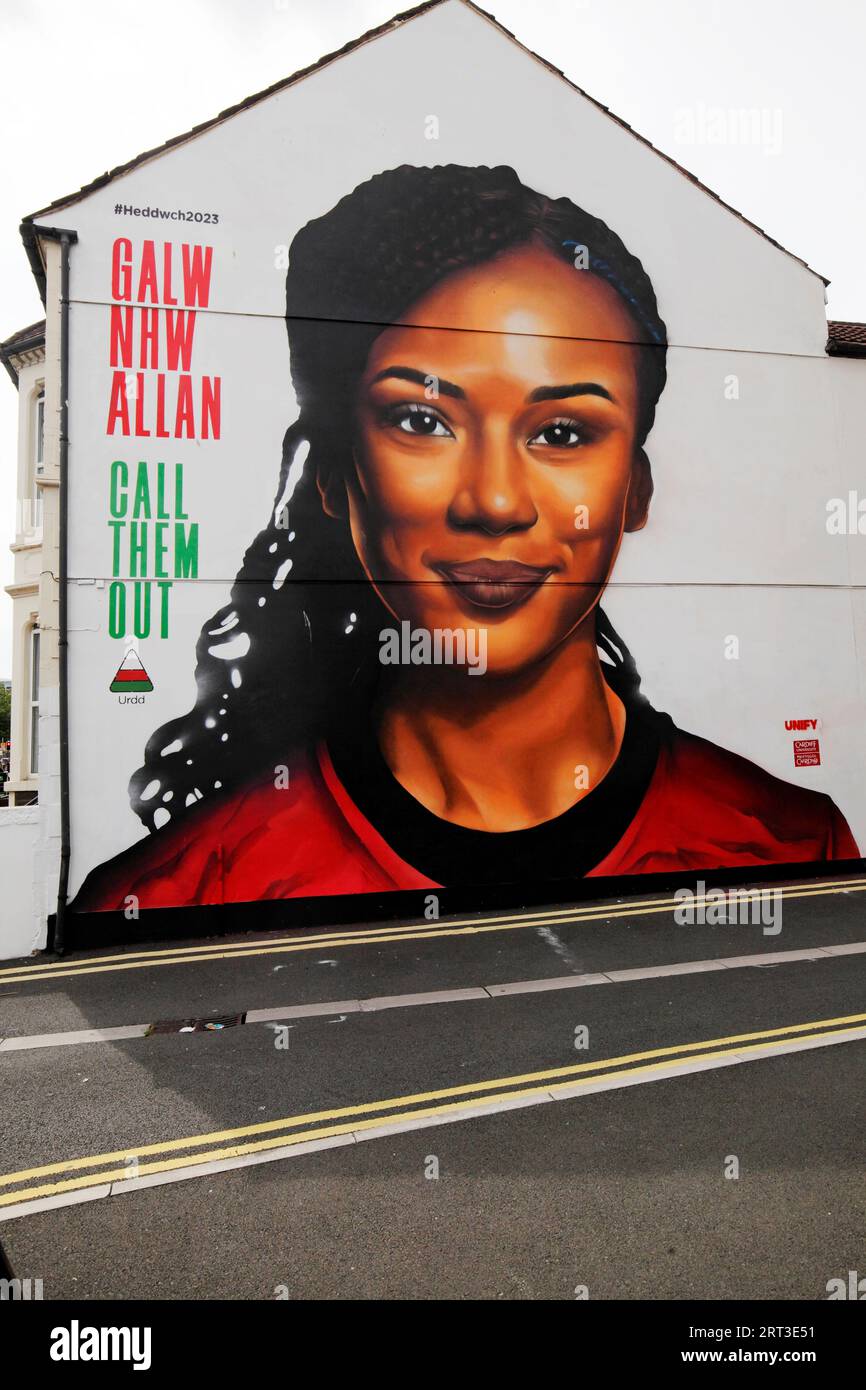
(493, 494)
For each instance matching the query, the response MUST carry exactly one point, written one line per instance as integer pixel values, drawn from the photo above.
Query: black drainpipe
(66, 239)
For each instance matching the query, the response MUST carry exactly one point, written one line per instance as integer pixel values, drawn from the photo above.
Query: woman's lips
(493, 583)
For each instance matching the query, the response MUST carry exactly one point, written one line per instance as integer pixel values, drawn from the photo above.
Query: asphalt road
(736, 1173)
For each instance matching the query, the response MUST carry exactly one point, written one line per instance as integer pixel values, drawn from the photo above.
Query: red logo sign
(807, 752)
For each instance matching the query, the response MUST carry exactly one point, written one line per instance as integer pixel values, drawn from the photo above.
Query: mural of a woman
(477, 369)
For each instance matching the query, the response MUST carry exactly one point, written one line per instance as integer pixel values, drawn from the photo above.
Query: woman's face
(495, 466)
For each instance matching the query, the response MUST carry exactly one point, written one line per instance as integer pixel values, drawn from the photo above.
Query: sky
(87, 84)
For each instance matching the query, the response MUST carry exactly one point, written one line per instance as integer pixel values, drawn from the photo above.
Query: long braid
(255, 672)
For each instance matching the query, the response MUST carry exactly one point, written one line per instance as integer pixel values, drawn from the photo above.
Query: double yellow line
(220, 1145)
(370, 936)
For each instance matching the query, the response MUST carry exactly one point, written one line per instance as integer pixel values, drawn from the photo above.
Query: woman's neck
(504, 753)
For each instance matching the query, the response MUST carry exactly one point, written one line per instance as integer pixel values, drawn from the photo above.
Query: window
(29, 506)
(34, 701)
(39, 430)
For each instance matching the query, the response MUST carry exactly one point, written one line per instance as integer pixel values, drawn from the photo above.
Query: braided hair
(295, 644)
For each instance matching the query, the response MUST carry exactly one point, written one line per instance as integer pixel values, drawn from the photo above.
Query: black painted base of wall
(95, 929)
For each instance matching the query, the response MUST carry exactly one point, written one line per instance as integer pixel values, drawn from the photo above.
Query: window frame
(33, 692)
(39, 430)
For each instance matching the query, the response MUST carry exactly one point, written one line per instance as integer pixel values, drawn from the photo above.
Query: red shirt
(705, 808)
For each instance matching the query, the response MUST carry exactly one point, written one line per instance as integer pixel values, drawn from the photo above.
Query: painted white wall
(848, 381)
(20, 906)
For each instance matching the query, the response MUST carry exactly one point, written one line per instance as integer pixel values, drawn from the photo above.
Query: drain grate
(195, 1025)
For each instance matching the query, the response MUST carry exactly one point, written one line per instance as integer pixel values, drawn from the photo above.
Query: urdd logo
(76, 1343)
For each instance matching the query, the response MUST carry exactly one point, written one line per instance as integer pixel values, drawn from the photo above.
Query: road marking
(454, 996)
(504, 1087)
(117, 1181)
(371, 936)
(84, 1035)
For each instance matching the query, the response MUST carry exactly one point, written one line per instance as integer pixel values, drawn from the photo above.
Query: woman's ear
(639, 493)
(332, 491)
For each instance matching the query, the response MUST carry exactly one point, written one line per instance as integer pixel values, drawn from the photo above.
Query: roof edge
(24, 340)
(846, 338)
(34, 256)
(669, 159)
(245, 104)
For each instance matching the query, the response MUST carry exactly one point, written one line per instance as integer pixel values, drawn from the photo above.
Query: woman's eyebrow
(445, 388)
(560, 393)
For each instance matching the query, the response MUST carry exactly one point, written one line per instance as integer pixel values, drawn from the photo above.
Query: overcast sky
(87, 84)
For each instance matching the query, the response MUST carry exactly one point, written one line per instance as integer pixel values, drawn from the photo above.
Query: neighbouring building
(23, 356)
(422, 358)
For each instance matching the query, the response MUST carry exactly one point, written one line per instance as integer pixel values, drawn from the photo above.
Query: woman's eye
(419, 421)
(560, 434)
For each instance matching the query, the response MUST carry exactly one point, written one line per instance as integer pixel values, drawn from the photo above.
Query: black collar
(566, 847)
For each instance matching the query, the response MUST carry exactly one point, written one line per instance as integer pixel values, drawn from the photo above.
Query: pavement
(583, 1101)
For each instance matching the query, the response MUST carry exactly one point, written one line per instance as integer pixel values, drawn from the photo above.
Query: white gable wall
(269, 169)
